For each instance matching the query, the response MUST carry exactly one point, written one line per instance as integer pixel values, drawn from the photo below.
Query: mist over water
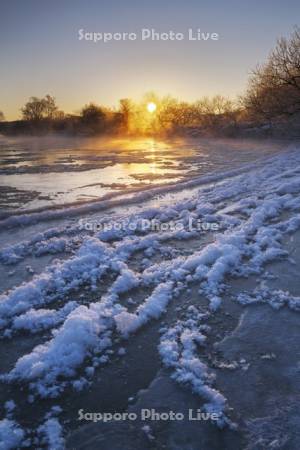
(37, 172)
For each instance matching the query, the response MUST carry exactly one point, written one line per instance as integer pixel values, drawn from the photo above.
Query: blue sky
(40, 51)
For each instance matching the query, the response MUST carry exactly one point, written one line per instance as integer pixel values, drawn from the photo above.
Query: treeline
(273, 94)
(171, 115)
(270, 105)
(42, 115)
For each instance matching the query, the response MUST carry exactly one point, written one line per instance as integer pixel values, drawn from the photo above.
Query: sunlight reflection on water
(66, 170)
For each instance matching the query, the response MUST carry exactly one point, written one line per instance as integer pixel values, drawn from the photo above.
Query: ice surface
(109, 285)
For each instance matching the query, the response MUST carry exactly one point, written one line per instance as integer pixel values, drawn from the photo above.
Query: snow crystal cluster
(106, 286)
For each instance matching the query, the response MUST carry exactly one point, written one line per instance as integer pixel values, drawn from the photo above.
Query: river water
(53, 171)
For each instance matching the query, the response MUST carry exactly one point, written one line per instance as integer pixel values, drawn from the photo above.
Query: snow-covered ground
(183, 296)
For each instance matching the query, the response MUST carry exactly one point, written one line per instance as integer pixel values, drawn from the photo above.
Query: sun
(151, 107)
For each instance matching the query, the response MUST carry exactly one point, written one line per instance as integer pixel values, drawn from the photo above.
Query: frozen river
(49, 171)
(102, 315)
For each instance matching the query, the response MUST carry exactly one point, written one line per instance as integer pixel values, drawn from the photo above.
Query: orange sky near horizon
(41, 52)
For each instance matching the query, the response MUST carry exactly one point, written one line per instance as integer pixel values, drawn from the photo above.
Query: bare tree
(174, 113)
(215, 111)
(2, 117)
(50, 107)
(37, 109)
(274, 87)
(33, 110)
(93, 117)
(126, 109)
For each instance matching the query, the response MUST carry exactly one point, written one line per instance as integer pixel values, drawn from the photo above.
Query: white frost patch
(126, 280)
(152, 308)
(11, 435)
(275, 298)
(42, 244)
(51, 434)
(179, 348)
(61, 356)
(9, 406)
(36, 320)
(90, 263)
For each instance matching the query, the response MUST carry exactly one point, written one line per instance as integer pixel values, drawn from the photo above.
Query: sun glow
(151, 107)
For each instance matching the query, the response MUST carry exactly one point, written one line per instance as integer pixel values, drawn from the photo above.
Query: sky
(40, 50)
